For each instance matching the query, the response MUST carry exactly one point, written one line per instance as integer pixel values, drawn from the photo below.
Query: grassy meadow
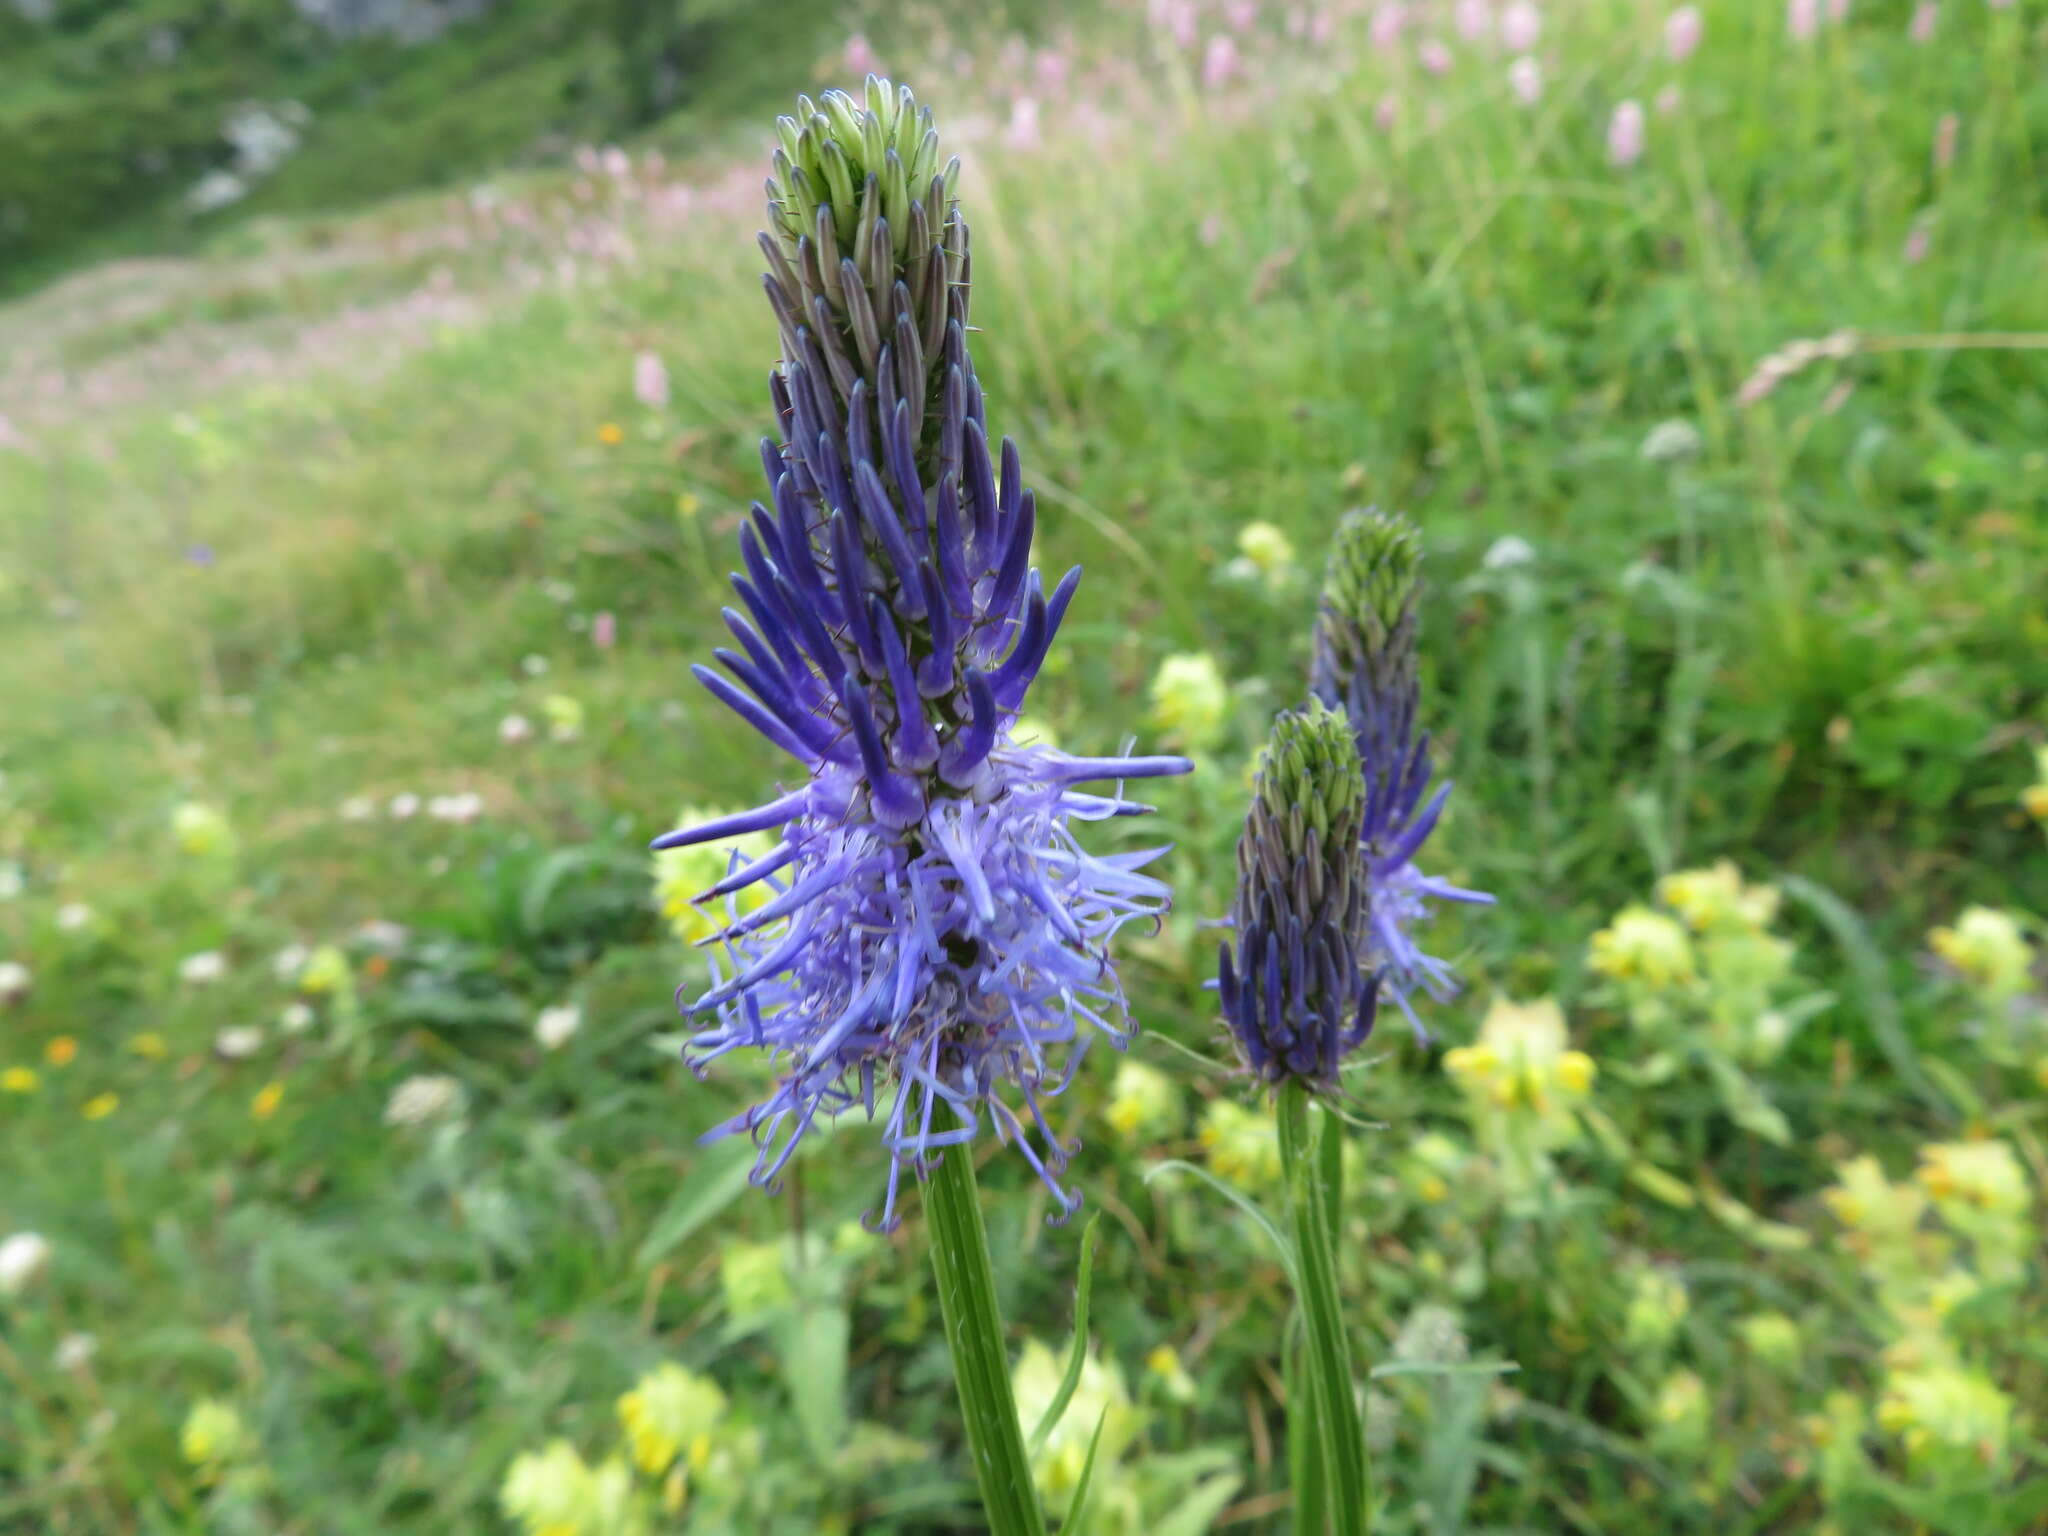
(351, 570)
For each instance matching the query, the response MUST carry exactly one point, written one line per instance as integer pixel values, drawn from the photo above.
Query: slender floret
(935, 947)
(1294, 991)
(1365, 664)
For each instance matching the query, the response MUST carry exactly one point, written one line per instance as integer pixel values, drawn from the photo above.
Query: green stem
(1348, 1479)
(1304, 1451)
(974, 1333)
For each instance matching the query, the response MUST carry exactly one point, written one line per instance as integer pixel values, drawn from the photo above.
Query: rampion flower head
(935, 948)
(1294, 992)
(1366, 665)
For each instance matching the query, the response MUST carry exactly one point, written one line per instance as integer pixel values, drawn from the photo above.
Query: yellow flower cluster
(1988, 951)
(755, 1280)
(554, 1492)
(1646, 948)
(676, 1433)
(1144, 1103)
(2034, 798)
(1657, 1306)
(1522, 1086)
(1242, 1145)
(1520, 1061)
(671, 1414)
(683, 873)
(202, 831)
(1946, 1408)
(1190, 700)
(214, 1440)
(1099, 1396)
(1716, 900)
(1979, 1189)
(1715, 962)
(1268, 551)
(1933, 1399)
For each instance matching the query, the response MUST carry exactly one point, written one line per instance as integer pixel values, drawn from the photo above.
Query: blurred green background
(380, 382)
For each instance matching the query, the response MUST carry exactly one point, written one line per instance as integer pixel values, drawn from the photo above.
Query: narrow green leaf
(1867, 970)
(1236, 1197)
(1304, 1446)
(1078, 1355)
(1335, 1404)
(1077, 1507)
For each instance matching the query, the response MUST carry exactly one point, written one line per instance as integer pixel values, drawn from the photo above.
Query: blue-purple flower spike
(1295, 991)
(1365, 664)
(935, 948)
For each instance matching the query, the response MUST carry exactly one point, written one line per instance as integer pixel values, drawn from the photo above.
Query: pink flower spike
(860, 60)
(1625, 135)
(1802, 19)
(1520, 25)
(650, 381)
(1945, 141)
(1682, 31)
(1220, 62)
(1022, 132)
(1921, 32)
(1525, 79)
(604, 631)
(1473, 19)
(1433, 56)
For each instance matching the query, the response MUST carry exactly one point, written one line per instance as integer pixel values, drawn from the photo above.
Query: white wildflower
(555, 1026)
(421, 1100)
(202, 969)
(23, 1257)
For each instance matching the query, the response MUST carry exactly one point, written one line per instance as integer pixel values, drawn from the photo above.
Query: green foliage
(1812, 645)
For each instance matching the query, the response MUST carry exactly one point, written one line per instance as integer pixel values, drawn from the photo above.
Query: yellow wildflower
(2034, 798)
(1164, 1363)
(1243, 1145)
(1988, 951)
(1944, 1406)
(1144, 1103)
(683, 873)
(149, 1045)
(1269, 551)
(552, 1491)
(1657, 1306)
(1773, 1338)
(61, 1051)
(214, 1438)
(201, 830)
(1099, 1396)
(671, 1413)
(1716, 898)
(1644, 946)
(268, 1097)
(611, 434)
(326, 970)
(1681, 1415)
(754, 1279)
(100, 1105)
(19, 1080)
(1190, 699)
(565, 716)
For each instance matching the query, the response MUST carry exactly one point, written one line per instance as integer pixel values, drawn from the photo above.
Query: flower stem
(1347, 1477)
(974, 1333)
